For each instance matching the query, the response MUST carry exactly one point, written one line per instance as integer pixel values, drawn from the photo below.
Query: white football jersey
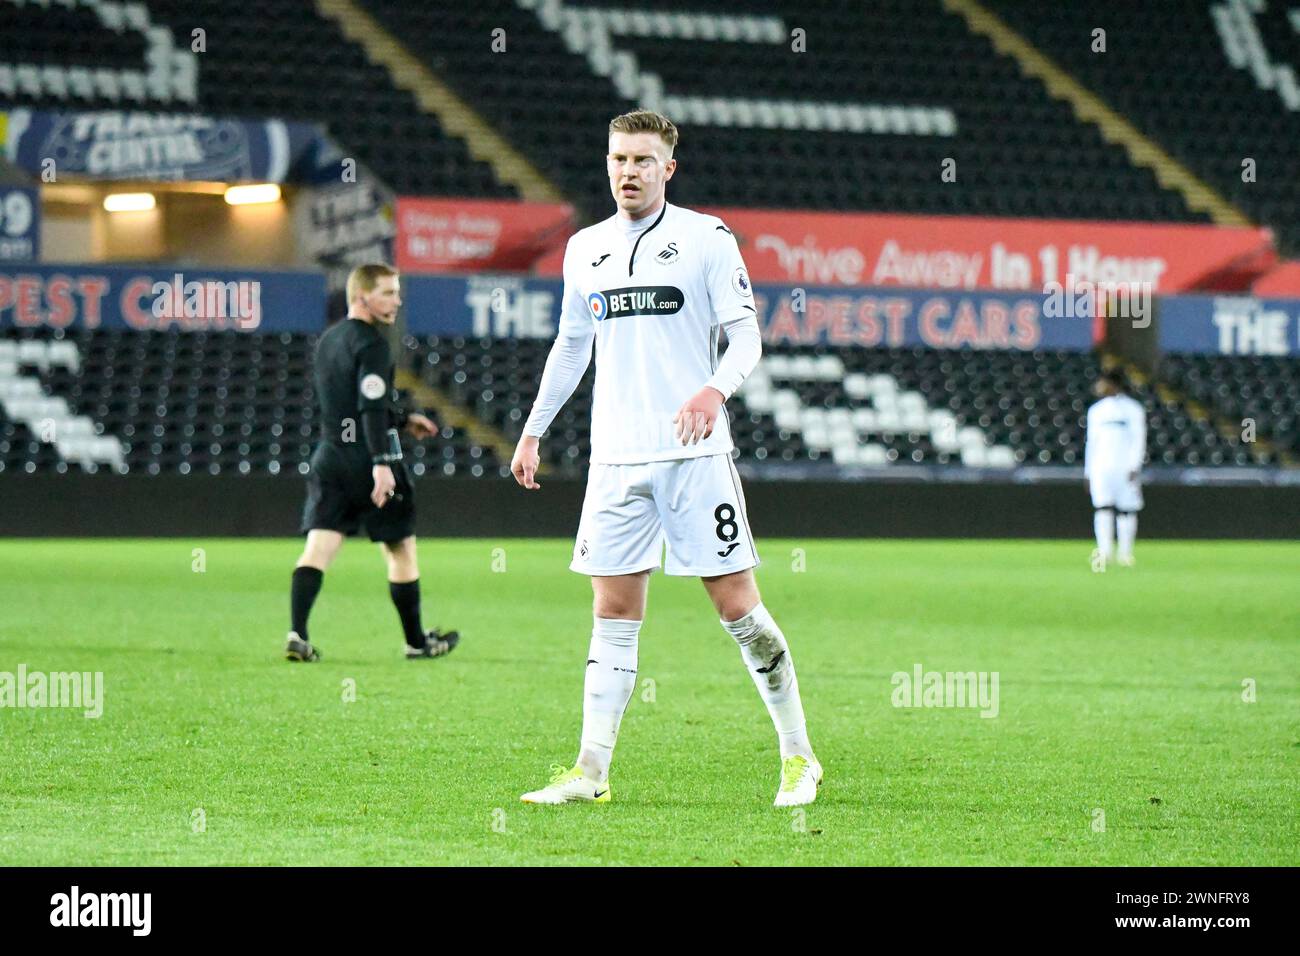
(1116, 439)
(655, 301)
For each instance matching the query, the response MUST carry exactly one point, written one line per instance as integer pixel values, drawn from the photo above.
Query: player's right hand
(385, 485)
(524, 465)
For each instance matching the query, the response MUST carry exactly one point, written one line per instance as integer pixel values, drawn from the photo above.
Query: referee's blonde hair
(365, 278)
(646, 121)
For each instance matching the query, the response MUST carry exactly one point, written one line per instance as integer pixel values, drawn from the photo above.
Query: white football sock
(1127, 527)
(767, 658)
(1103, 526)
(611, 678)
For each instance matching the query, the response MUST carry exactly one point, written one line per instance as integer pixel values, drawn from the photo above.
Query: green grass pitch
(1122, 736)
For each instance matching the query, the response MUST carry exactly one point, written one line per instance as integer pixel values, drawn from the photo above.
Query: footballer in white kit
(1116, 446)
(652, 287)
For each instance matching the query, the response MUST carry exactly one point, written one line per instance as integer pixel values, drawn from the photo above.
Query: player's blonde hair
(365, 278)
(646, 121)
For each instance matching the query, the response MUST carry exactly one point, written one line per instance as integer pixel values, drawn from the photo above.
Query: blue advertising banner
(113, 144)
(160, 298)
(516, 306)
(20, 224)
(1229, 325)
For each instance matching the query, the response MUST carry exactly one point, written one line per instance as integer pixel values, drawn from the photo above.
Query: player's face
(383, 301)
(639, 170)
(1103, 388)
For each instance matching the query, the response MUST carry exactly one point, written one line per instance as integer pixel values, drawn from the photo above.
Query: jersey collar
(631, 259)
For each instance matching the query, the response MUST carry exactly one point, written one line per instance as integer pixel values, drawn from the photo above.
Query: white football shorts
(1112, 489)
(694, 505)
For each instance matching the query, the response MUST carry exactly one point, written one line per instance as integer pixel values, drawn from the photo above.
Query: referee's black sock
(306, 585)
(406, 598)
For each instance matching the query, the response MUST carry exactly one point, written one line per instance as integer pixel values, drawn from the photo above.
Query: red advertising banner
(449, 235)
(969, 252)
(1282, 282)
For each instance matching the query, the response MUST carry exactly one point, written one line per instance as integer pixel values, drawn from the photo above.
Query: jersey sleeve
(575, 316)
(373, 386)
(373, 370)
(570, 354)
(744, 349)
(1138, 435)
(1087, 442)
(731, 296)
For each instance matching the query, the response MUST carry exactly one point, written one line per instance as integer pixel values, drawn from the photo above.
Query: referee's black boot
(296, 649)
(436, 644)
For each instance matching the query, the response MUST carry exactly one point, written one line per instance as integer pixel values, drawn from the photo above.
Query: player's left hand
(694, 420)
(421, 426)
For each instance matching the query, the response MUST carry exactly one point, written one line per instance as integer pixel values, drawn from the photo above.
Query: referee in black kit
(357, 473)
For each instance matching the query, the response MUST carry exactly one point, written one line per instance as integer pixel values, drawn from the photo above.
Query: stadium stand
(866, 407)
(289, 62)
(1264, 390)
(178, 402)
(740, 93)
(1162, 76)
(219, 401)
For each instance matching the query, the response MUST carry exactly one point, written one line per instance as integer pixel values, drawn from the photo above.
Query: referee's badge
(740, 282)
(373, 387)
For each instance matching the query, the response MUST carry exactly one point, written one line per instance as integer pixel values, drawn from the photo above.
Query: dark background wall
(79, 505)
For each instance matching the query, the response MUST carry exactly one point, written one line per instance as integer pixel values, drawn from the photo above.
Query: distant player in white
(1112, 461)
(651, 286)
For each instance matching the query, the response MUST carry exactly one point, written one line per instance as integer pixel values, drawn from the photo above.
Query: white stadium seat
(81, 83)
(1001, 456)
(881, 384)
(915, 419)
(777, 366)
(106, 84)
(55, 81)
(13, 389)
(64, 354)
(29, 80)
(856, 385)
(803, 367)
(874, 456)
(34, 352)
(79, 426)
(830, 368)
(843, 454)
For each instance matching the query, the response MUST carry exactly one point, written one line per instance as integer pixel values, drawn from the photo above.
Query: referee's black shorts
(338, 496)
